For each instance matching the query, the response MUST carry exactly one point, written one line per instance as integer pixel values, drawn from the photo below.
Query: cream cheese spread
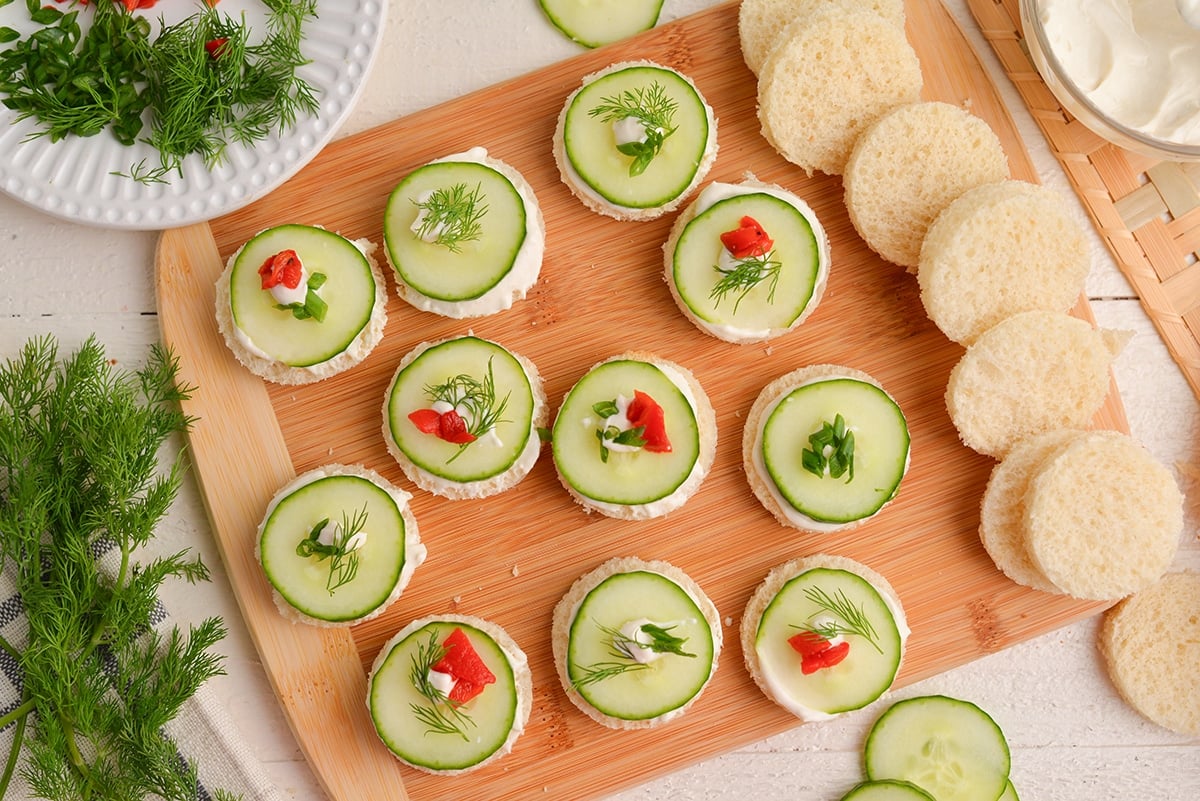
(1137, 61)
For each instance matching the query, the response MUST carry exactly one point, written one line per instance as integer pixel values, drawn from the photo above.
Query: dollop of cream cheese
(776, 681)
(635, 643)
(628, 130)
(1138, 61)
(792, 513)
(331, 533)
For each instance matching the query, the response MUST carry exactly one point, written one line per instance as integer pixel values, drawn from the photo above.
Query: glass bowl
(1075, 100)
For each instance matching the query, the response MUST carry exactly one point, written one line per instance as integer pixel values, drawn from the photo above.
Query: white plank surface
(1072, 737)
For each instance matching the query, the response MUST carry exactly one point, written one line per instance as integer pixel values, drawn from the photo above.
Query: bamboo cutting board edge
(999, 615)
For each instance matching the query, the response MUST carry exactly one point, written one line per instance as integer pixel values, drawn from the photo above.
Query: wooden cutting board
(510, 558)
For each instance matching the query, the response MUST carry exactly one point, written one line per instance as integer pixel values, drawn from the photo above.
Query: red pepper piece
(815, 651)
(453, 428)
(282, 268)
(749, 239)
(644, 411)
(216, 47)
(427, 421)
(463, 662)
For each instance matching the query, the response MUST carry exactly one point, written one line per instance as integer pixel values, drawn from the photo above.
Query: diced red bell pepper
(644, 411)
(449, 426)
(216, 46)
(463, 662)
(749, 239)
(282, 268)
(427, 421)
(815, 651)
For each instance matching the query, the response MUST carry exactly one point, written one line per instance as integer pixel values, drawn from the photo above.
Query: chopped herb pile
(79, 482)
(204, 83)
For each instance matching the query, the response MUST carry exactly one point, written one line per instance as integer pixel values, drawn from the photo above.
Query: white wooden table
(1073, 739)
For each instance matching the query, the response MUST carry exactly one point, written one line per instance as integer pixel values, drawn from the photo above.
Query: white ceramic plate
(73, 178)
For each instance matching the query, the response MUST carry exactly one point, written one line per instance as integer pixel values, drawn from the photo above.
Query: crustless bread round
(762, 23)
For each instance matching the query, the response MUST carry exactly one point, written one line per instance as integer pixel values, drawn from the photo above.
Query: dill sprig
(744, 277)
(849, 619)
(342, 553)
(451, 216)
(658, 639)
(79, 478)
(653, 108)
(831, 451)
(481, 410)
(441, 716)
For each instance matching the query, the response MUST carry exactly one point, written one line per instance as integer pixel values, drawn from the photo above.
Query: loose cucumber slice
(625, 477)
(1010, 793)
(880, 450)
(471, 364)
(950, 748)
(593, 23)
(819, 597)
(591, 149)
(349, 293)
(772, 304)
(887, 790)
(403, 716)
(474, 265)
(617, 685)
(304, 582)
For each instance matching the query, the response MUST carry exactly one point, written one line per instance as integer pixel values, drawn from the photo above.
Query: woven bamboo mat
(1146, 211)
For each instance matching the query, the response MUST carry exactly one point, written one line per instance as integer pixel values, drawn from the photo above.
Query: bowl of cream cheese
(1127, 69)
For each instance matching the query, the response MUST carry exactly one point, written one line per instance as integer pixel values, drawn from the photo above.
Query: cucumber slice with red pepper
(887, 790)
(678, 128)
(588, 451)
(827, 643)
(833, 478)
(593, 24)
(496, 411)
(950, 748)
(763, 292)
(348, 292)
(418, 721)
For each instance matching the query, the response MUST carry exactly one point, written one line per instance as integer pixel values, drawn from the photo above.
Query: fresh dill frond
(653, 108)
(441, 715)
(743, 277)
(849, 619)
(658, 639)
(451, 216)
(342, 552)
(476, 400)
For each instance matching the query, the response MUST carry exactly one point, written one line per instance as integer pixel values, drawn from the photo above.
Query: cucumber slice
(773, 304)
(869, 668)
(636, 477)
(400, 712)
(615, 684)
(887, 790)
(349, 293)
(472, 266)
(950, 748)
(591, 149)
(496, 450)
(593, 23)
(304, 581)
(881, 447)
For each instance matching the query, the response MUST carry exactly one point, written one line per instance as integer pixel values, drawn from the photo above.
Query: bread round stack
(908, 166)
(1151, 647)
(818, 89)
(1083, 513)
(997, 250)
(1033, 372)
(764, 24)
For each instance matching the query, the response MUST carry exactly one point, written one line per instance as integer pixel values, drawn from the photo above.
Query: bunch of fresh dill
(80, 479)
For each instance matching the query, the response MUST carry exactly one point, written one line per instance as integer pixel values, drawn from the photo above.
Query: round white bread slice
(414, 550)
(462, 490)
(818, 91)
(564, 616)
(737, 334)
(706, 421)
(761, 23)
(1036, 371)
(908, 166)
(601, 205)
(1151, 647)
(522, 677)
(997, 250)
(1102, 517)
(770, 587)
(1002, 512)
(277, 372)
(752, 464)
